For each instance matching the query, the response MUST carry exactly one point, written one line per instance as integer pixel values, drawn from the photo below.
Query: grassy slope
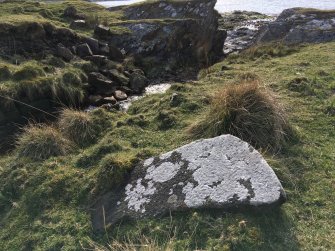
(44, 204)
(18, 12)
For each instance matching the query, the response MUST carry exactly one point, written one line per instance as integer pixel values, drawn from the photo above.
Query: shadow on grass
(213, 230)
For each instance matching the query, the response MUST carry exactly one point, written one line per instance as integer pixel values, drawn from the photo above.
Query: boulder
(299, 25)
(65, 35)
(102, 31)
(99, 60)
(189, 34)
(118, 77)
(120, 95)
(70, 11)
(93, 44)
(219, 173)
(100, 84)
(78, 24)
(103, 49)
(138, 82)
(83, 50)
(64, 53)
(115, 54)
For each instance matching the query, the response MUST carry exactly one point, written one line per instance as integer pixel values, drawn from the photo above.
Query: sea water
(262, 6)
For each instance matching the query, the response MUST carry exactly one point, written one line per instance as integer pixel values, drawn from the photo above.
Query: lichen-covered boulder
(223, 173)
(299, 25)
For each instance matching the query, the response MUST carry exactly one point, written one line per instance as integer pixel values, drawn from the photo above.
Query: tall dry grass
(248, 111)
(40, 142)
(78, 126)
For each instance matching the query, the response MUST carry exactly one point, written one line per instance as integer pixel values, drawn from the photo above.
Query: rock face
(242, 28)
(172, 33)
(300, 25)
(224, 172)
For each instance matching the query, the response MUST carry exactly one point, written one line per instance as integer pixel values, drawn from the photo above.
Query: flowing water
(262, 6)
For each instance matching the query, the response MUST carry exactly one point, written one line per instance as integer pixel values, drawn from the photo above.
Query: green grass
(32, 81)
(21, 12)
(44, 205)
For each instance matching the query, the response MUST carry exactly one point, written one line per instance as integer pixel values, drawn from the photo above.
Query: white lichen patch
(220, 167)
(162, 173)
(138, 195)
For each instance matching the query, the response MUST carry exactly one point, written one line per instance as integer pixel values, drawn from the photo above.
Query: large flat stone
(223, 173)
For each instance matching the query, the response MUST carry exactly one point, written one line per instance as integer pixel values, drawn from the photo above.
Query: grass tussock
(28, 71)
(248, 111)
(78, 126)
(40, 142)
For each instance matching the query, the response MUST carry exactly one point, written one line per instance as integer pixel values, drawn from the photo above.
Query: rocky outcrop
(106, 75)
(171, 34)
(300, 25)
(223, 173)
(242, 29)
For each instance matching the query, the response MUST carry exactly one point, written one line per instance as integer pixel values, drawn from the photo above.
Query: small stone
(120, 95)
(110, 100)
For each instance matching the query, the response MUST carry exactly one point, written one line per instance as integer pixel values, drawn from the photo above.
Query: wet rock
(100, 84)
(64, 53)
(83, 50)
(299, 25)
(120, 95)
(138, 82)
(98, 100)
(109, 100)
(223, 173)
